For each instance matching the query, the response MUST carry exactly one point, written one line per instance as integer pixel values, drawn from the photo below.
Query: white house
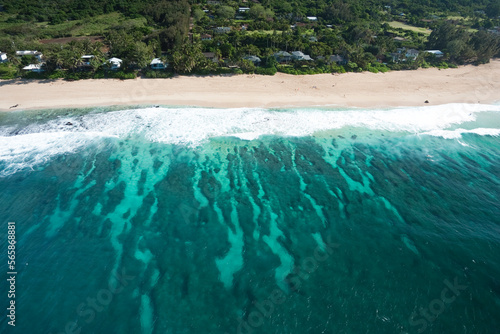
(86, 59)
(157, 64)
(243, 9)
(312, 18)
(34, 68)
(299, 55)
(115, 63)
(3, 57)
(38, 55)
(437, 53)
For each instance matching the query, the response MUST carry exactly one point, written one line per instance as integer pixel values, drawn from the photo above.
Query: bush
(157, 74)
(57, 74)
(303, 70)
(7, 72)
(123, 75)
(266, 70)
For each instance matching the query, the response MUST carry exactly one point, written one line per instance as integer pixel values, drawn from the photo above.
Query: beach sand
(466, 84)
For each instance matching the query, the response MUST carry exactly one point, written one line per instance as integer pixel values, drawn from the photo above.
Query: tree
(225, 12)
(258, 12)
(486, 45)
(187, 57)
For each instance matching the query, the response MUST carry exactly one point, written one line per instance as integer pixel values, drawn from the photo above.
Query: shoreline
(466, 84)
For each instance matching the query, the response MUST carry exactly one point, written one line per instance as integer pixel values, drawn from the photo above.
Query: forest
(245, 36)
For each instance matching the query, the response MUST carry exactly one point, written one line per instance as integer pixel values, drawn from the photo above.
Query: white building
(38, 55)
(3, 57)
(34, 68)
(87, 59)
(437, 53)
(157, 64)
(115, 63)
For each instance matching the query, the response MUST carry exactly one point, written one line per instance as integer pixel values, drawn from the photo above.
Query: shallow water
(195, 220)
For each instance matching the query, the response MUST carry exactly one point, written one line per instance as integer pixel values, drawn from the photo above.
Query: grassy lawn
(264, 32)
(90, 27)
(401, 25)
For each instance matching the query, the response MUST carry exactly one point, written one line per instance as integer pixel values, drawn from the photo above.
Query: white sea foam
(192, 126)
(457, 133)
(26, 151)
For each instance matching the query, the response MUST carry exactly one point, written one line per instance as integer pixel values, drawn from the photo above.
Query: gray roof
(254, 59)
(282, 54)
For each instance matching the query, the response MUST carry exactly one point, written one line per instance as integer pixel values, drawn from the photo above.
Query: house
(411, 54)
(115, 63)
(312, 39)
(86, 59)
(222, 30)
(299, 55)
(157, 64)
(254, 59)
(38, 55)
(213, 3)
(243, 9)
(282, 56)
(312, 18)
(211, 56)
(338, 59)
(206, 37)
(3, 57)
(37, 68)
(436, 53)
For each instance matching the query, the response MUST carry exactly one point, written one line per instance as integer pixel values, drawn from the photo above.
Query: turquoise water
(193, 220)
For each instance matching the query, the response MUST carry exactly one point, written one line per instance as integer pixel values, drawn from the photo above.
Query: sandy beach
(466, 84)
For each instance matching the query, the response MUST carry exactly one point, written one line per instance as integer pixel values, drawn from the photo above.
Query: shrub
(266, 70)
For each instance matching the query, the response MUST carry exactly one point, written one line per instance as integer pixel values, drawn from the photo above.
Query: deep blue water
(193, 220)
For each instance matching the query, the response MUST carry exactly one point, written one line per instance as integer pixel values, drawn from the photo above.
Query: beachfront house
(254, 59)
(38, 55)
(211, 56)
(3, 57)
(37, 68)
(114, 63)
(436, 53)
(157, 64)
(282, 56)
(86, 59)
(299, 55)
(411, 54)
(222, 30)
(338, 59)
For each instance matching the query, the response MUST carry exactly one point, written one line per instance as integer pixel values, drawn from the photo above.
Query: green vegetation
(215, 37)
(404, 26)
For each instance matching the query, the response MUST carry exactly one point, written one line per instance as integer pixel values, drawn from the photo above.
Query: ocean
(157, 219)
